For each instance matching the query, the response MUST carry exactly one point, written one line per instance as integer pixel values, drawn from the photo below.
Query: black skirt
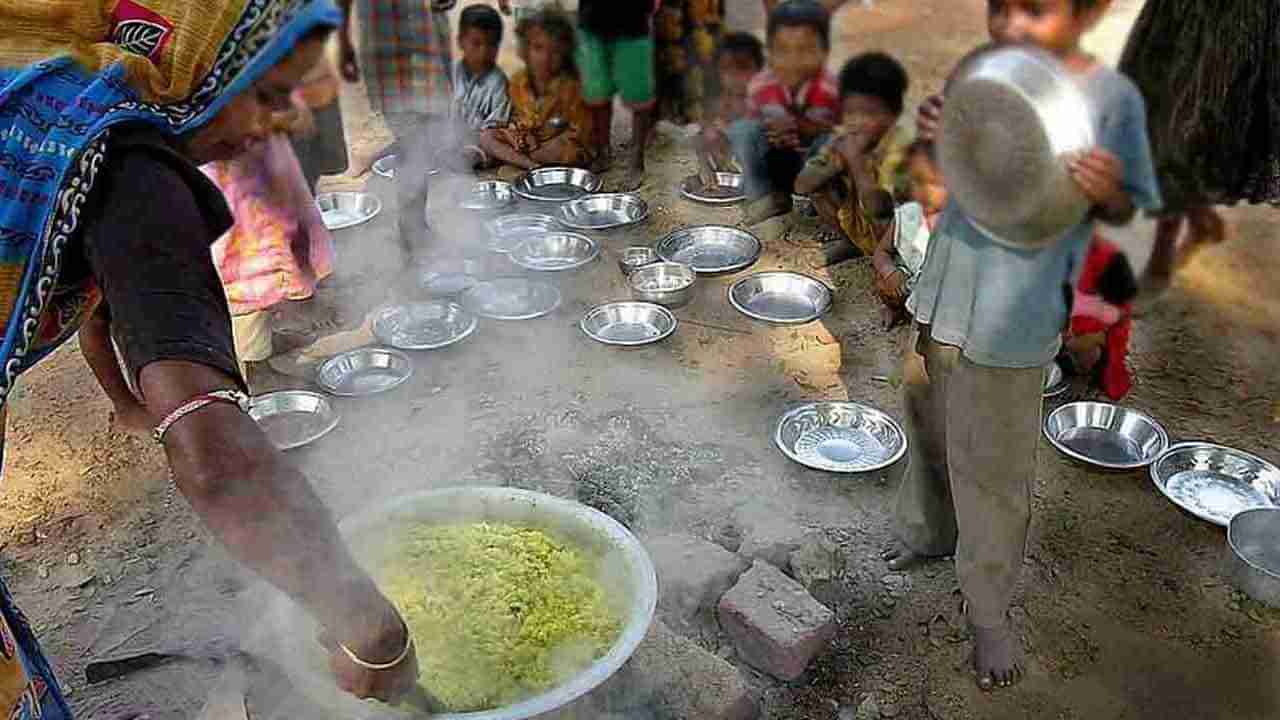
(1210, 74)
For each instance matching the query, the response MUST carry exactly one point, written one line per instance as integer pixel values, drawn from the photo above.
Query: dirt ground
(1122, 608)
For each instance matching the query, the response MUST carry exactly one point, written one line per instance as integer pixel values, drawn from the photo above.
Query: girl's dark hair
(482, 18)
(553, 22)
(877, 75)
(801, 13)
(742, 44)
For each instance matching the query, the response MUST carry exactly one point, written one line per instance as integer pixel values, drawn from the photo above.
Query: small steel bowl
(628, 324)
(842, 437)
(423, 326)
(636, 257)
(604, 211)
(727, 190)
(782, 298)
(488, 195)
(1253, 558)
(508, 231)
(385, 166)
(664, 283)
(1214, 482)
(711, 249)
(340, 210)
(556, 184)
(555, 251)
(1105, 435)
(366, 371)
(293, 418)
(511, 298)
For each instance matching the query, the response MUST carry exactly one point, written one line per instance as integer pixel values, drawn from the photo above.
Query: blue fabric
(1007, 307)
(43, 699)
(766, 169)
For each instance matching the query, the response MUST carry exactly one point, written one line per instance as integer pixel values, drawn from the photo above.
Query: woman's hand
(929, 118)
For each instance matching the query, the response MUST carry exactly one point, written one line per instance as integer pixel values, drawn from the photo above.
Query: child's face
(546, 56)
(736, 70)
(1054, 25)
(479, 50)
(926, 183)
(796, 54)
(866, 112)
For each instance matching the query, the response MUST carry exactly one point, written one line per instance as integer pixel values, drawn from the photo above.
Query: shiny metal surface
(511, 298)
(727, 190)
(423, 326)
(487, 195)
(628, 324)
(665, 283)
(556, 184)
(438, 283)
(711, 249)
(1106, 435)
(803, 205)
(635, 257)
(1253, 557)
(508, 231)
(293, 418)
(1012, 118)
(1214, 482)
(366, 371)
(340, 210)
(555, 251)
(385, 166)
(1055, 383)
(604, 211)
(842, 437)
(783, 298)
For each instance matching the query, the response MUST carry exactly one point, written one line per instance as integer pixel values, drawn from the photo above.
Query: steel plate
(842, 437)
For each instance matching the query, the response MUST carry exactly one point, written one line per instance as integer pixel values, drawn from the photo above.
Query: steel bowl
(711, 249)
(487, 195)
(340, 210)
(385, 166)
(782, 298)
(1055, 383)
(556, 184)
(1013, 117)
(293, 418)
(1105, 435)
(628, 576)
(555, 251)
(628, 324)
(511, 298)
(423, 326)
(1253, 558)
(1214, 482)
(605, 211)
(365, 371)
(636, 257)
(667, 284)
(842, 437)
(508, 231)
(729, 189)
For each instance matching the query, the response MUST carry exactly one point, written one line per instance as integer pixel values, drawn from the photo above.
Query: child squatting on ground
(989, 319)
(738, 59)
(855, 176)
(900, 255)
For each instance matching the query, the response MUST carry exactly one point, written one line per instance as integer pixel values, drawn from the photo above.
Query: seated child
(791, 105)
(480, 98)
(549, 122)
(901, 252)
(990, 318)
(854, 177)
(1097, 342)
(738, 59)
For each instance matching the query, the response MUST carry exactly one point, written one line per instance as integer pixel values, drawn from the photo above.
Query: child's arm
(822, 168)
(1100, 175)
(855, 148)
(95, 345)
(891, 282)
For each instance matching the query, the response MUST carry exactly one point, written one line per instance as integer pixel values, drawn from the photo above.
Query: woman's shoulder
(143, 161)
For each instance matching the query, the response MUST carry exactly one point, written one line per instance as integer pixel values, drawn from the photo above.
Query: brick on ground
(775, 624)
(692, 573)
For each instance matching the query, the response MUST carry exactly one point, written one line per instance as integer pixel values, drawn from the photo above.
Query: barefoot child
(791, 105)
(739, 58)
(900, 255)
(990, 318)
(855, 176)
(549, 122)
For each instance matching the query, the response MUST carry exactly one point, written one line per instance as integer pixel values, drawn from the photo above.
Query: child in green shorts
(615, 56)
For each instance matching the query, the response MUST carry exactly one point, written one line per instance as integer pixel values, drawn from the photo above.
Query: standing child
(549, 120)
(320, 141)
(687, 35)
(616, 54)
(899, 257)
(858, 172)
(791, 105)
(480, 97)
(739, 58)
(990, 318)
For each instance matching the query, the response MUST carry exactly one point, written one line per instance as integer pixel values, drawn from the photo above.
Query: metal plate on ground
(842, 437)
(605, 211)
(511, 298)
(782, 298)
(508, 231)
(293, 418)
(628, 324)
(556, 184)
(555, 252)
(341, 210)
(366, 371)
(1105, 435)
(423, 326)
(487, 195)
(711, 249)
(1214, 482)
(727, 190)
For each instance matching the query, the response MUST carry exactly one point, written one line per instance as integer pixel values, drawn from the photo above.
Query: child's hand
(929, 118)
(892, 288)
(1098, 173)
(782, 131)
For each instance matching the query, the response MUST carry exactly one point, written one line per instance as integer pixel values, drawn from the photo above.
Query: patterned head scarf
(72, 69)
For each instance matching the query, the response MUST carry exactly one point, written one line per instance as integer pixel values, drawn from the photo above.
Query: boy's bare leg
(601, 127)
(642, 124)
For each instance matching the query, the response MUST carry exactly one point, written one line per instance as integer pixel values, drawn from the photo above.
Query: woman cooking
(106, 109)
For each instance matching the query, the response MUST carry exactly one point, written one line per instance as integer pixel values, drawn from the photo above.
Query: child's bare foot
(995, 657)
(602, 163)
(901, 557)
(769, 206)
(632, 180)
